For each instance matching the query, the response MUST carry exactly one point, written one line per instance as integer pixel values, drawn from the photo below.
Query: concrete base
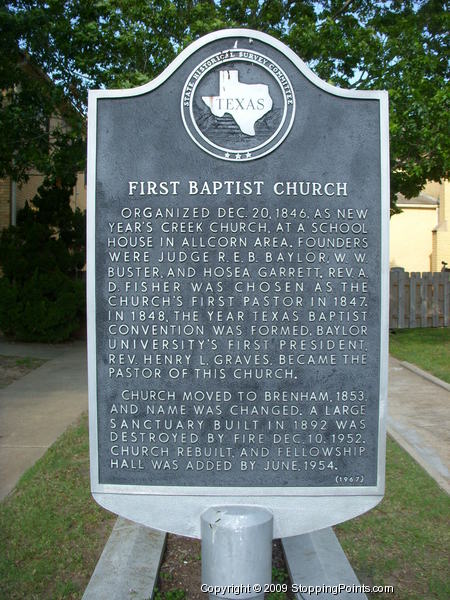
(317, 559)
(129, 565)
(237, 551)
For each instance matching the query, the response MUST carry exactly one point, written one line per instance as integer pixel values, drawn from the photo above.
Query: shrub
(46, 308)
(41, 292)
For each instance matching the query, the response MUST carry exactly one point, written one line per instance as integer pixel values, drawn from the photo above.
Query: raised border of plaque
(177, 508)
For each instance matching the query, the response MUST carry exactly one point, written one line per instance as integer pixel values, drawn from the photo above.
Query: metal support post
(236, 551)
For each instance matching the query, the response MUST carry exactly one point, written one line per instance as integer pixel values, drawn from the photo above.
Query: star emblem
(248, 155)
(227, 155)
(238, 156)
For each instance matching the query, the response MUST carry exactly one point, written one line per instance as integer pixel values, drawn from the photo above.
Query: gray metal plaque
(237, 290)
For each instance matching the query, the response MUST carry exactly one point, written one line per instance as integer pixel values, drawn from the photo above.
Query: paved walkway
(419, 418)
(37, 409)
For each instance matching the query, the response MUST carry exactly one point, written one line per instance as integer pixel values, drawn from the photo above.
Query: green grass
(175, 594)
(428, 348)
(51, 531)
(405, 540)
(29, 363)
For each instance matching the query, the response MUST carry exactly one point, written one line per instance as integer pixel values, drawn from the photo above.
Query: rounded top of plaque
(240, 46)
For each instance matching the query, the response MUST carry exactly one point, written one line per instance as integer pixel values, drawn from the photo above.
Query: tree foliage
(40, 128)
(397, 45)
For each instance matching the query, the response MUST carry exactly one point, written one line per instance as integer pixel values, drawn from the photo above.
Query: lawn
(405, 540)
(52, 532)
(427, 348)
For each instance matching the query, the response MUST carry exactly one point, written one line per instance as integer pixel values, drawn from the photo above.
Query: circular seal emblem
(238, 105)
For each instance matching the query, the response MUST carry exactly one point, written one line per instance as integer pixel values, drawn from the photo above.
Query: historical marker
(238, 285)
